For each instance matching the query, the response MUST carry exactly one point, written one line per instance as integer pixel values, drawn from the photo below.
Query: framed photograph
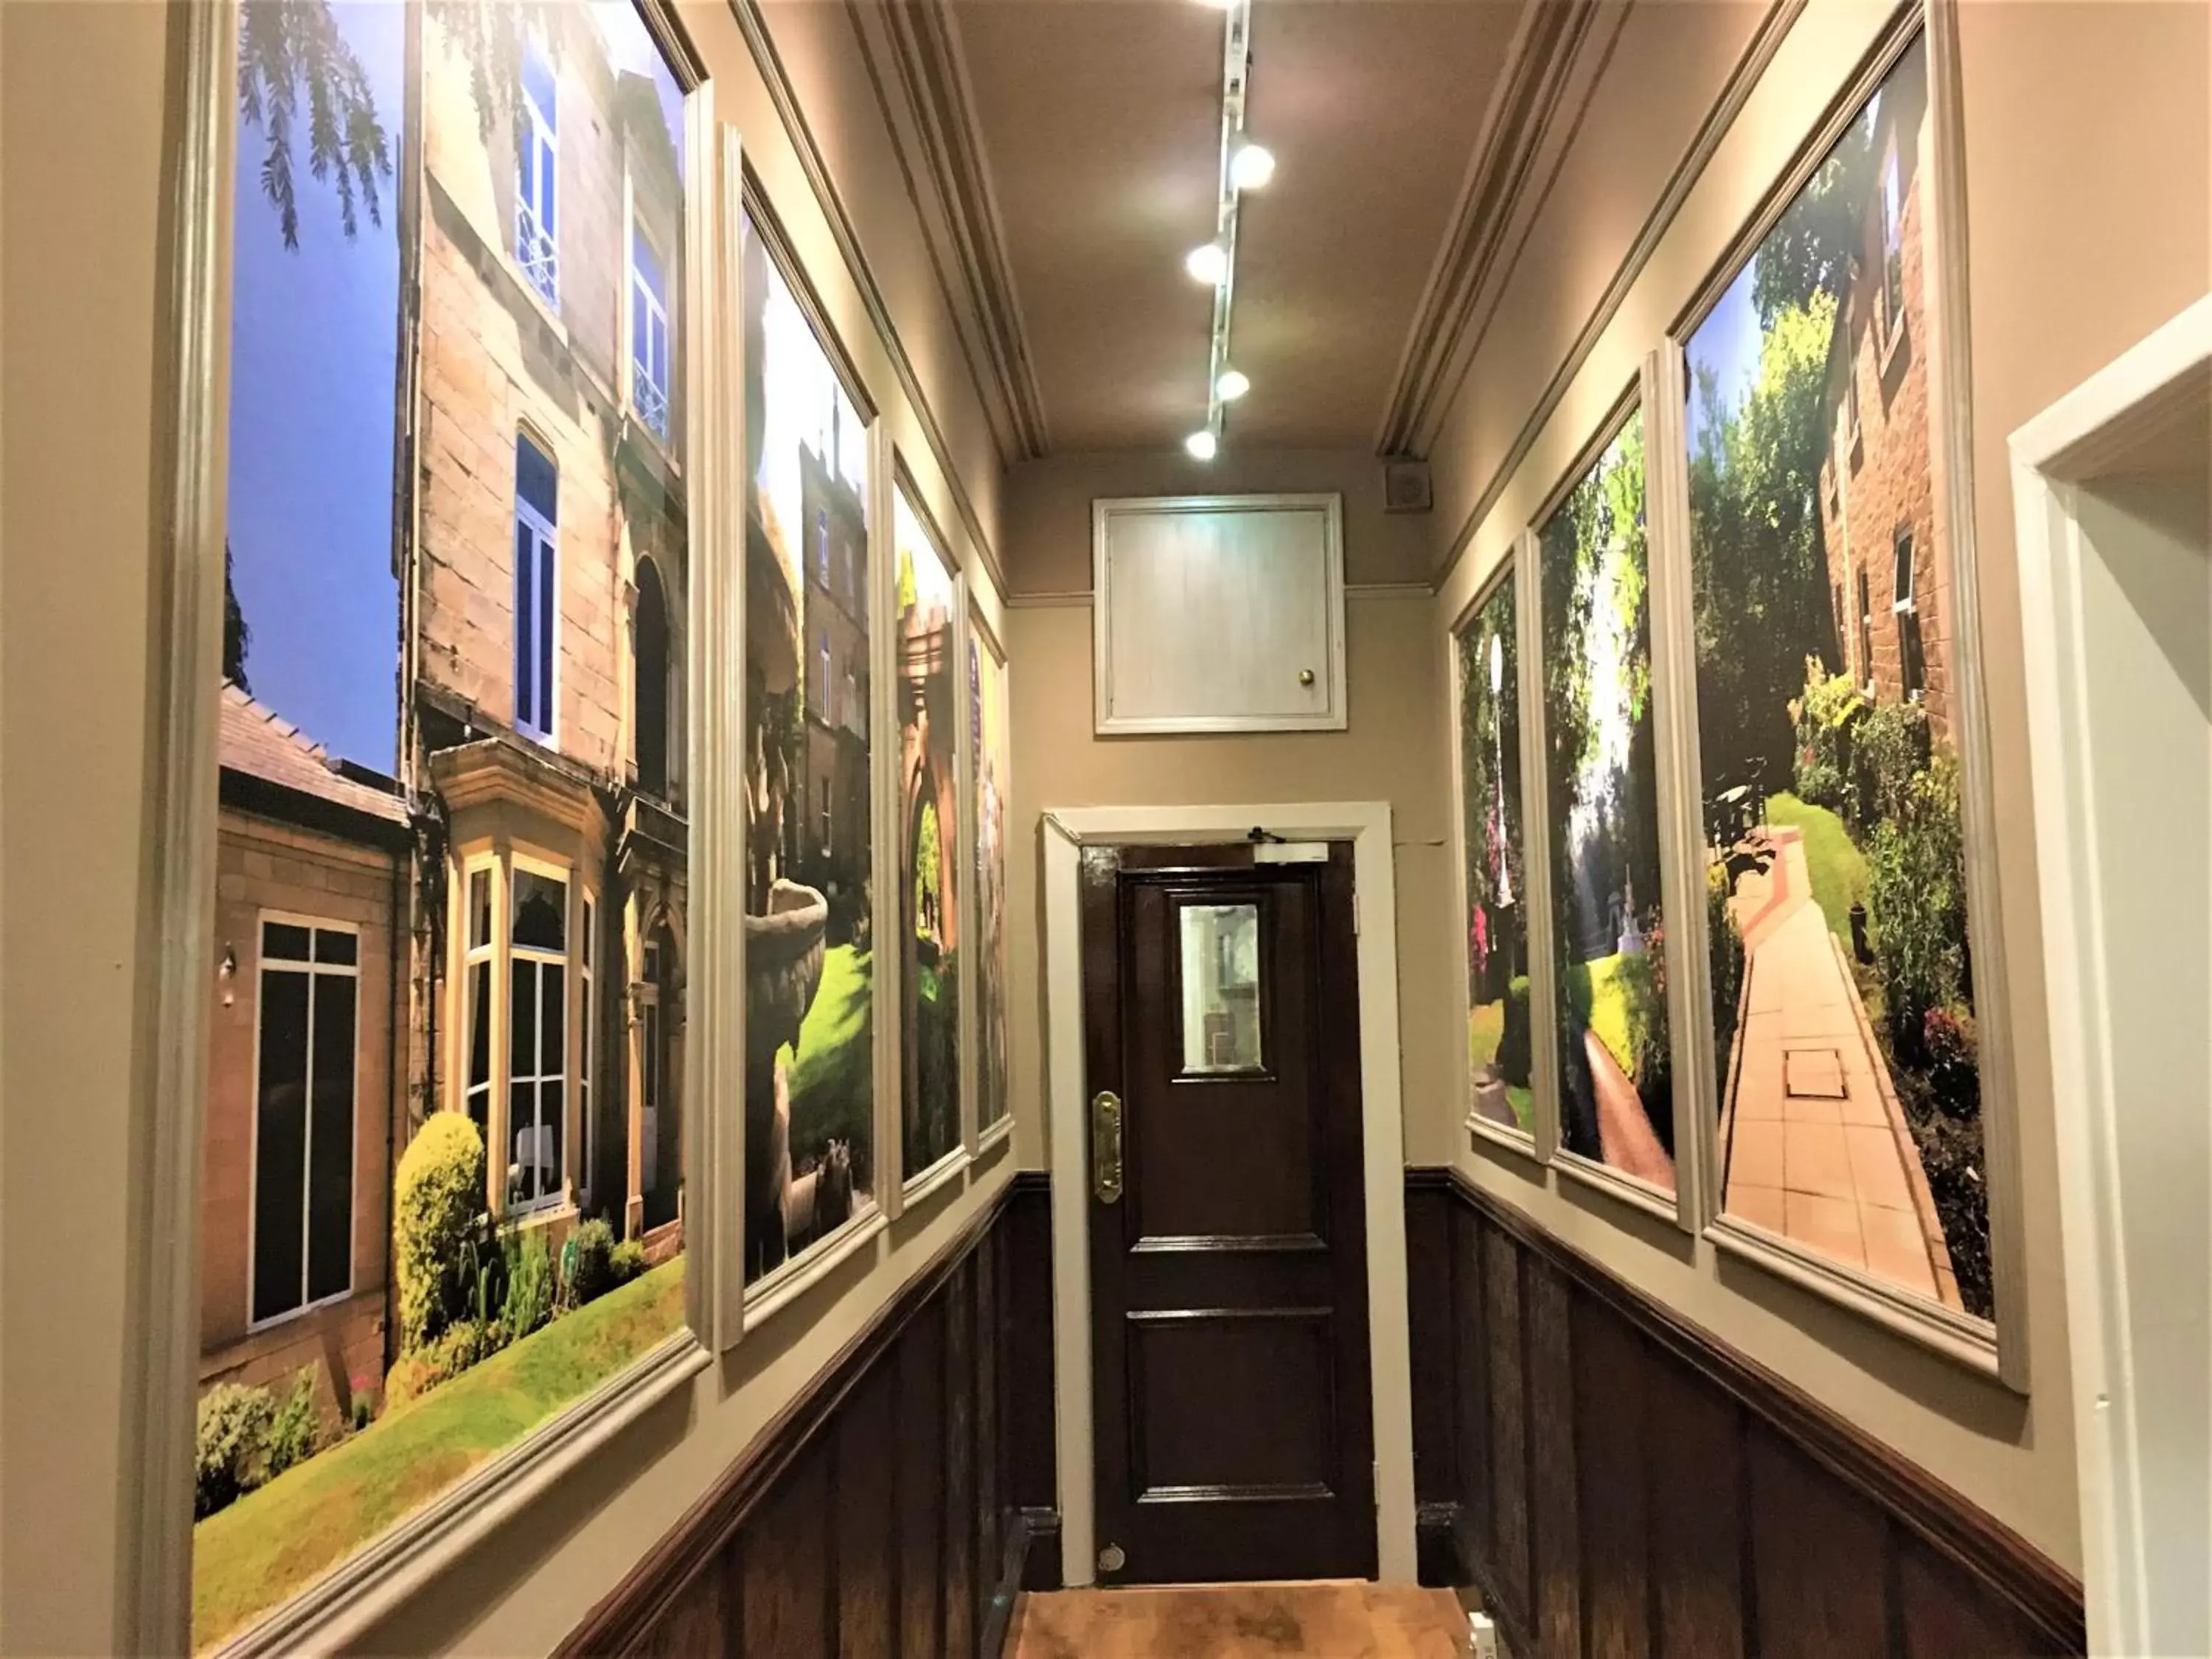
(444, 1175)
(1495, 871)
(1607, 1022)
(811, 1153)
(929, 603)
(1852, 997)
(991, 736)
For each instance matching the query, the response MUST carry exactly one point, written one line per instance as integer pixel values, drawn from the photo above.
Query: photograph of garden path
(1616, 1077)
(929, 842)
(810, 983)
(1843, 997)
(1498, 1046)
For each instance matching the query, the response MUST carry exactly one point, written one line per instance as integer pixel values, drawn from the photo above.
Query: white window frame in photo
(917, 1187)
(1904, 550)
(544, 564)
(314, 970)
(500, 1151)
(161, 1322)
(1997, 1349)
(748, 1306)
(1517, 566)
(1892, 309)
(982, 639)
(587, 1047)
(1677, 815)
(640, 296)
(473, 955)
(541, 136)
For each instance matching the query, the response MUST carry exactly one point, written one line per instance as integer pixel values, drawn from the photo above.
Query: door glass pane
(1220, 987)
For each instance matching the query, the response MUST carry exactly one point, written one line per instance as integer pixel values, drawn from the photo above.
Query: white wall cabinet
(1219, 613)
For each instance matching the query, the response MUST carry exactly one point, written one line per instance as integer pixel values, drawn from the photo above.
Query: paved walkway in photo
(1624, 1127)
(1817, 1147)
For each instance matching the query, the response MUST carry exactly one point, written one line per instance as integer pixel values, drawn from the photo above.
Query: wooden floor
(1345, 1620)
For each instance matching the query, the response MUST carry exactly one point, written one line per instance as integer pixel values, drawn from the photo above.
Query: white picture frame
(1997, 1347)
(331, 1612)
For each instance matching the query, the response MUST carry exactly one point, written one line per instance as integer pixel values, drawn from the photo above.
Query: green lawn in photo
(833, 1072)
(1598, 986)
(1837, 867)
(275, 1540)
(1485, 1030)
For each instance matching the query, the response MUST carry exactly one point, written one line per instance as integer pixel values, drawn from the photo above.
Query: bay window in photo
(440, 1193)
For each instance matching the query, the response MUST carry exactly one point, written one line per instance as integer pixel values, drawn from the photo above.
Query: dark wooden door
(1228, 1276)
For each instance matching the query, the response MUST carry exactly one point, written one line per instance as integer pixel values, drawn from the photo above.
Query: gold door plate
(1106, 1147)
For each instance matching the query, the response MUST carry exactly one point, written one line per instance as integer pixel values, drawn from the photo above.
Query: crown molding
(1764, 42)
(917, 66)
(760, 43)
(1557, 51)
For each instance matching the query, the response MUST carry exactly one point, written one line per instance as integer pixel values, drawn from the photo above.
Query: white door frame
(1366, 824)
(2125, 1498)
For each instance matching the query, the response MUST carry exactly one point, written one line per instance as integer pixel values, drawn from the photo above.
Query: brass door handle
(1106, 1147)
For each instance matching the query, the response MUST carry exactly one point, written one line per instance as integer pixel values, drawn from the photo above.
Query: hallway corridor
(1340, 1620)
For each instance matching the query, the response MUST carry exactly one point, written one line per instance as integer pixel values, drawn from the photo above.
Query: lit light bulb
(1201, 445)
(1251, 168)
(1232, 385)
(1207, 263)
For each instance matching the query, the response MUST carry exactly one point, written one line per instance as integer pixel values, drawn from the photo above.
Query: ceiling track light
(1244, 166)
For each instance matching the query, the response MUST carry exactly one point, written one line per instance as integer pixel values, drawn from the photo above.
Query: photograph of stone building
(810, 1079)
(544, 628)
(443, 1154)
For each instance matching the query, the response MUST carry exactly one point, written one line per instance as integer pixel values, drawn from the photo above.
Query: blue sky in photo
(1727, 343)
(314, 343)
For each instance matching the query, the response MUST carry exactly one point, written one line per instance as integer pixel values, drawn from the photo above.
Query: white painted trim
(1334, 717)
(1367, 825)
(774, 1291)
(2108, 1451)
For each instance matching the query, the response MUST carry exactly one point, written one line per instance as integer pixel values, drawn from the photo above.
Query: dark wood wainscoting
(1614, 1484)
(897, 1505)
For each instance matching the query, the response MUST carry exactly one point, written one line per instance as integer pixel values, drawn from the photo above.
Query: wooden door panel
(1234, 1438)
(1276, 1362)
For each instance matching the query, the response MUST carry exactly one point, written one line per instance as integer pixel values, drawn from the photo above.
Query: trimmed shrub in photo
(231, 1444)
(1515, 1046)
(296, 1434)
(437, 1197)
(588, 1260)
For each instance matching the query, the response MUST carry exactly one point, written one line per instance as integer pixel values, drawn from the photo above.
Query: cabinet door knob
(1305, 677)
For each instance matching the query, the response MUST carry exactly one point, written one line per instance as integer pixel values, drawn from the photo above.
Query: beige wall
(2086, 155)
(1394, 666)
(83, 498)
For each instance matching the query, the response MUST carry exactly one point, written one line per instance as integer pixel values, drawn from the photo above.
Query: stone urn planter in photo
(783, 971)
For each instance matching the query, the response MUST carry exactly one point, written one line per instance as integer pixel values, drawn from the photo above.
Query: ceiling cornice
(760, 44)
(1766, 39)
(928, 108)
(1552, 65)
